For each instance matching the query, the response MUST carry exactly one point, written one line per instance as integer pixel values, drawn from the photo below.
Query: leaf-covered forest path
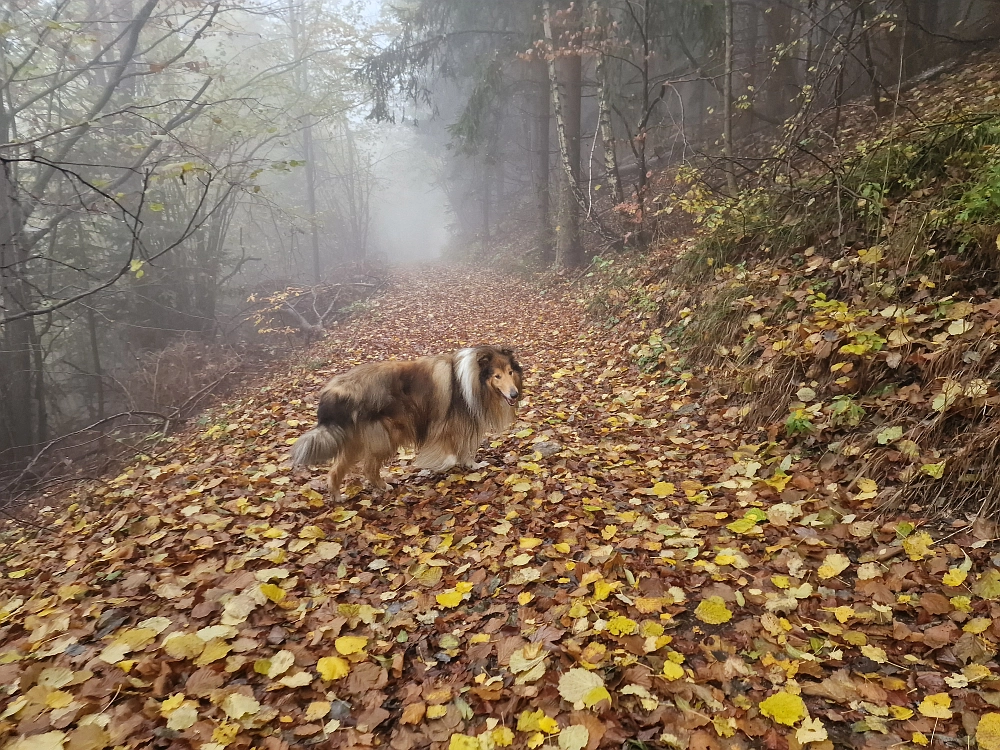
(622, 567)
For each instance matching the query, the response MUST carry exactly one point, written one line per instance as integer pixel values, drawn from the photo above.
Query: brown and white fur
(442, 406)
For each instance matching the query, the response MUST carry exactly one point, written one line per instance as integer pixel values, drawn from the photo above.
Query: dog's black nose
(514, 394)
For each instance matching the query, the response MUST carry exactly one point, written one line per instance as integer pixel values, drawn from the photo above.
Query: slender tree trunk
(16, 336)
(487, 177)
(565, 82)
(607, 132)
(727, 101)
(310, 158)
(782, 88)
(542, 125)
(41, 413)
(870, 69)
(569, 252)
(95, 354)
(839, 88)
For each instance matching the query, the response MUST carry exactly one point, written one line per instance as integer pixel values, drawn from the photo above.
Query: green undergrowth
(851, 316)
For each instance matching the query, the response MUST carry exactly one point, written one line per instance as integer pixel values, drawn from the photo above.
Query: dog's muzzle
(511, 398)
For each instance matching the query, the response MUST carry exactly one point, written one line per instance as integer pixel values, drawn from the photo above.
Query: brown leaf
(413, 713)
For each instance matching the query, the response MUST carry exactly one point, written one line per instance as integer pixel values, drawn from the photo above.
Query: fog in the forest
(190, 188)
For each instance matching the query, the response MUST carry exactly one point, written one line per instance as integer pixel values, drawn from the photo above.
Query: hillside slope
(618, 570)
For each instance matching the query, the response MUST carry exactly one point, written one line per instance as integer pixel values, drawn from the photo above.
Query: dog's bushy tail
(318, 446)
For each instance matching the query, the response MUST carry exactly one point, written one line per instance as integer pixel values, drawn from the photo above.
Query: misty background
(189, 189)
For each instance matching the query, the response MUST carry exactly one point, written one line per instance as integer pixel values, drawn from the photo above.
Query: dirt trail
(631, 579)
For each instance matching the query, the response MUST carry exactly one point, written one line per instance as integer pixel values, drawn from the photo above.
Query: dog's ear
(509, 353)
(484, 358)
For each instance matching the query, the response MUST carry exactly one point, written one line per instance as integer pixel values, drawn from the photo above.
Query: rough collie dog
(442, 406)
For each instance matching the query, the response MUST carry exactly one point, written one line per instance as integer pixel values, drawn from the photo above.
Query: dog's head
(499, 370)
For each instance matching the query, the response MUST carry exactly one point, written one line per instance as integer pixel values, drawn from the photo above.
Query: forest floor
(615, 572)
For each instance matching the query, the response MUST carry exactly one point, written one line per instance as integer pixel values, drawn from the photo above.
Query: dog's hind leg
(342, 463)
(379, 448)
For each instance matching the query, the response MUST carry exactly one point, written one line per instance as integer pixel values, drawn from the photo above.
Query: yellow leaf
(332, 668)
(503, 736)
(955, 577)
(238, 706)
(562, 548)
(603, 589)
(936, 706)
(60, 699)
(672, 671)
(463, 742)
(317, 710)
(273, 592)
(436, 712)
(868, 487)
(350, 644)
(784, 708)
(215, 649)
(183, 645)
(713, 611)
(225, 733)
(663, 489)
(919, 738)
(622, 626)
(724, 726)
(875, 653)
(536, 740)
(595, 696)
(833, 565)
(988, 731)
(44, 741)
(917, 546)
(171, 704)
(977, 625)
(843, 613)
(537, 721)
(524, 597)
(902, 713)
(548, 725)
(449, 599)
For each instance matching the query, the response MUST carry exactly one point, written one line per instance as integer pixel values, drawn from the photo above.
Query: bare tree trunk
(541, 167)
(487, 177)
(782, 88)
(569, 252)
(869, 59)
(95, 353)
(16, 336)
(727, 101)
(309, 156)
(566, 92)
(607, 132)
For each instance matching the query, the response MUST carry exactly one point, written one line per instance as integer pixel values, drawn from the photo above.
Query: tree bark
(542, 125)
(607, 132)
(16, 336)
(569, 252)
(727, 101)
(565, 83)
(95, 353)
